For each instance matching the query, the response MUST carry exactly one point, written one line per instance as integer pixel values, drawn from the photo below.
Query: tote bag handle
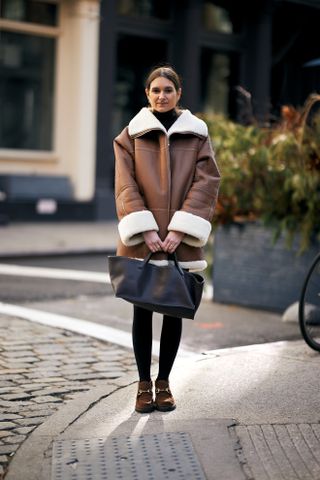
(170, 256)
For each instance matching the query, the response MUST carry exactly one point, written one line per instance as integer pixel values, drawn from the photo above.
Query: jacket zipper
(123, 208)
(169, 175)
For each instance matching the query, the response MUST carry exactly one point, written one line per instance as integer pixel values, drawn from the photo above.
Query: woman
(166, 185)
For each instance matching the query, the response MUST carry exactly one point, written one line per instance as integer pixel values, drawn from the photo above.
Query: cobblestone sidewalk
(43, 367)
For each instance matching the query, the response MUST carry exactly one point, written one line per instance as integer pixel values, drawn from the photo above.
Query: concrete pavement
(242, 413)
(34, 239)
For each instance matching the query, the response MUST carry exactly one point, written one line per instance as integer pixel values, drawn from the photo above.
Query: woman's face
(162, 94)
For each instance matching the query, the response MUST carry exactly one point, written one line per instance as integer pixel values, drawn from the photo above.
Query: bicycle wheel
(309, 306)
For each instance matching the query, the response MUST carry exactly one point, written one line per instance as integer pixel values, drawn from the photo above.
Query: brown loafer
(144, 403)
(164, 400)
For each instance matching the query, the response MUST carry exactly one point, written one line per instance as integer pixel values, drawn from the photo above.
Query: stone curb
(33, 458)
(37, 378)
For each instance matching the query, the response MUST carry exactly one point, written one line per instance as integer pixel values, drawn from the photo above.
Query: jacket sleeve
(194, 217)
(134, 217)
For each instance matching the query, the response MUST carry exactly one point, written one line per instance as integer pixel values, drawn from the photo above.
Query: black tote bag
(168, 289)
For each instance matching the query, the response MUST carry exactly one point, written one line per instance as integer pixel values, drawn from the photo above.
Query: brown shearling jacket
(165, 181)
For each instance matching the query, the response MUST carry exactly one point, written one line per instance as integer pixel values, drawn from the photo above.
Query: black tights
(142, 342)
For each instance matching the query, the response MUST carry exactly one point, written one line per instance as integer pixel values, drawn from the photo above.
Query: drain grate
(145, 457)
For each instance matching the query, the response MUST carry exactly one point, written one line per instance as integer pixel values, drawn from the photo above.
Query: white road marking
(96, 330)
(57, 273)
(207, 292)
(67, 274)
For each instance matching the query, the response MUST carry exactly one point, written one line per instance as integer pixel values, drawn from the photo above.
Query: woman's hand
(172, 241)
(153, 241)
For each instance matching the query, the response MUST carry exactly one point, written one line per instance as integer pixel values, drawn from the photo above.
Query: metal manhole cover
(145, 457)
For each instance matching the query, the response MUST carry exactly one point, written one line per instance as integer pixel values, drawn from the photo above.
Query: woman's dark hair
(166, 72)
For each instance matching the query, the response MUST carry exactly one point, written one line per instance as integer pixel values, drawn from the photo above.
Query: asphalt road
(216, 326)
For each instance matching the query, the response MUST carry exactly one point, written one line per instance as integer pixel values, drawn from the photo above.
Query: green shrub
(271, 174)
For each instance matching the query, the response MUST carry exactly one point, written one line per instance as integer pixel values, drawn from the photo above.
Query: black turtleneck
(166, 118)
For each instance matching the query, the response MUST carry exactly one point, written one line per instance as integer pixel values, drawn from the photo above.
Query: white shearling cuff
(195, 228)
(134, 224)
(192, 266)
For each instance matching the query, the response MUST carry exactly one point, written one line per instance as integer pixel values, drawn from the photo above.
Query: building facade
(48, 107)
(72, 75)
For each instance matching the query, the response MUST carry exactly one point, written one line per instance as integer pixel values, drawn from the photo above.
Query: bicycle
(309, 306)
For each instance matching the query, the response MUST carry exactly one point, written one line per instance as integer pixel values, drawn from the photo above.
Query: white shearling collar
(145, 121)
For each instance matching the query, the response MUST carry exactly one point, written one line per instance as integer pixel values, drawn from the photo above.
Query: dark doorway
(135, 58)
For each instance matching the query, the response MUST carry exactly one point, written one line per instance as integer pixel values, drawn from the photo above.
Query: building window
(33, 11)
(216, 17)
(218, 76)
(27, 72)
(160, 9)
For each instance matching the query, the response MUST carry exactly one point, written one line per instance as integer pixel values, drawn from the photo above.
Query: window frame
(35, 29)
